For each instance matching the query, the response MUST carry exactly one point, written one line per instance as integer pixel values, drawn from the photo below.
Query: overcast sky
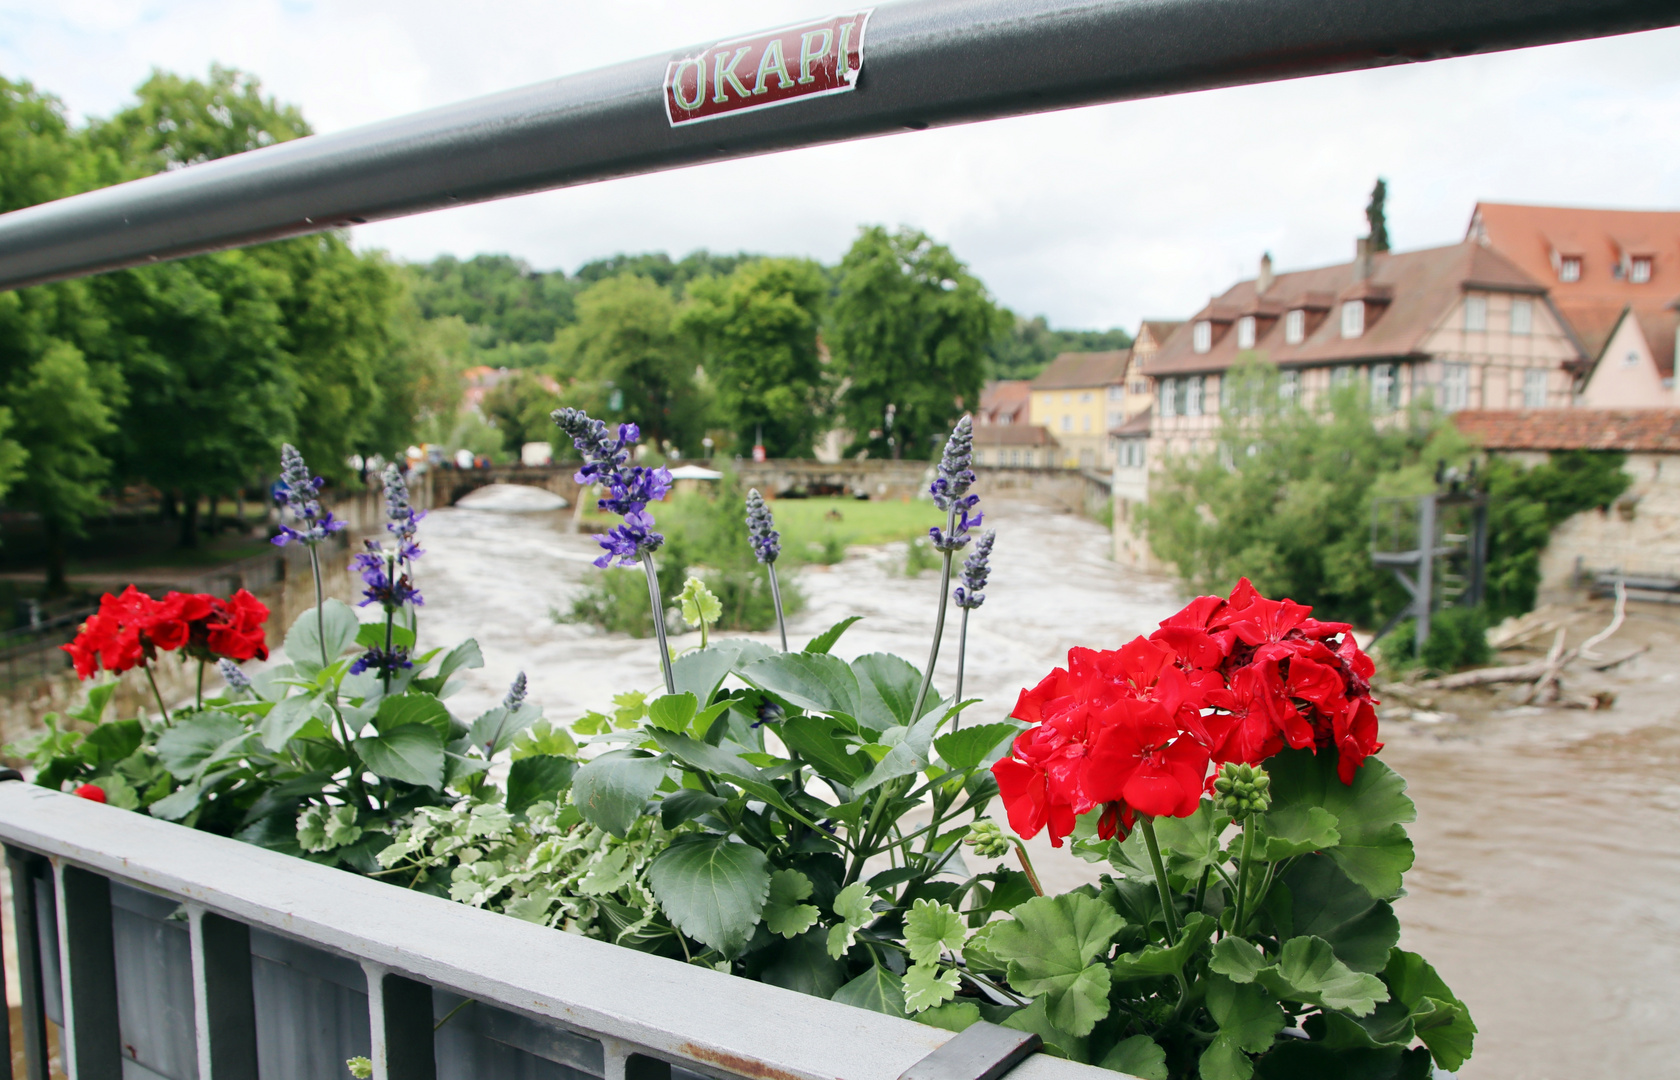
(1095, 217)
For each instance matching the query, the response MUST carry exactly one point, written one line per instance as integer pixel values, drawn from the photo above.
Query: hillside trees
(910, 329)
(757, 332)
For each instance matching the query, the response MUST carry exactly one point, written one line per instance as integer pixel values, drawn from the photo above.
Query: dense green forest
(184, 378)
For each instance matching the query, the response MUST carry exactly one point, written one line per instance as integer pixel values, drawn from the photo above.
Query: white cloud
(1097, 216)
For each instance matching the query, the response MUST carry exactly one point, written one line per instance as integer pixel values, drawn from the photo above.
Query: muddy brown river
(1547, 884)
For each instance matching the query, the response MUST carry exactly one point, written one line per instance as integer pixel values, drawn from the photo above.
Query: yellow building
(1079, 398)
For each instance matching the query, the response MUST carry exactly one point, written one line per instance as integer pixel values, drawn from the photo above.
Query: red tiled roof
(1136, 425)
(1531, 236)
(1635, 430)
(1407, 296)
(1004, 398)
(1079, 370)
(1013, 435)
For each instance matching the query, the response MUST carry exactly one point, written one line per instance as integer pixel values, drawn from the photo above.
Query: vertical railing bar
(224, 1001)
(31, 985)
(400, 1018)
(623, 1061)
(92, 1042)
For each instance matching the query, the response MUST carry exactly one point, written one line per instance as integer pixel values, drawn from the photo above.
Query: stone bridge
(1079, 490)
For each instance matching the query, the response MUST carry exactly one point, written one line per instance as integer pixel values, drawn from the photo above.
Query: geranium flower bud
(1242, 790)
(987, 840)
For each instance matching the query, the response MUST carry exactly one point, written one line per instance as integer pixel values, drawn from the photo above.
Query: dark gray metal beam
(927, 63)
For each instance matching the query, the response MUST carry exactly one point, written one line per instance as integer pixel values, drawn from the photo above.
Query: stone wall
(1639, 535)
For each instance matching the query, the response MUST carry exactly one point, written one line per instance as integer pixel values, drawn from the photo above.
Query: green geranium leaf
(852, 906)
(1057, 1042)
(952, 1016)
(179, 805)
(1441, 1020)
(713, 889)
(720, 762)
(887, 687)
(966, 749)
(94, 708)
(464, 655)
(686, 805)
(1370, 814)
(1324, 902)
(673, 712)
(610, 790)
(1293, 1059)
(192, 741)
(826, 640)
(1152, 961)
(876, 989)
(1307, 970)
(910, 756)
(414, 707)
(1191, 844)
(698, 604)
(1238, 959)
(1051, 947)
(1389, 1024)
(288, 719)
(783, 912)
(820, 740)
(930, 928)
(814, 681)
(1248, 1021)
(109, 743)
(702, 671)
(539, 778)
(926, 986)
(412, 754)
(1297, 830)
(371, 635)
(119, 792)
(303, 640)
(1138, 1056)
(499, 727)
(543, 737)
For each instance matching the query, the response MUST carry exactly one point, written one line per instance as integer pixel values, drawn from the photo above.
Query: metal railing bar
(929, 63)
(400, 1015)
(706, 1021)
(92, 1041)
(224, 1004)
(31, 985)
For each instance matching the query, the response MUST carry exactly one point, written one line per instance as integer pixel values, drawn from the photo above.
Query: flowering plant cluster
(131, 628)
(628, 488)
(1133, 730)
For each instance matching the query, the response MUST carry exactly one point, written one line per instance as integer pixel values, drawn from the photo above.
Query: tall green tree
(521, 406)
(627, 362)
(61, 417)
(178, 121)
(757, 332)
(1376, 216)
(910, 329)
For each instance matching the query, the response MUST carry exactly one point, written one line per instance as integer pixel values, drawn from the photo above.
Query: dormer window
(1295, 327)
(1353, 318)
(1569, 268)
(1475, 313)
(1639, 271)
(1201, 336)
(1245, 332)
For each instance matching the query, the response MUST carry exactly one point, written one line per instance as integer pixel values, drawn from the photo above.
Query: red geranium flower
(131, 628)
(91, 792)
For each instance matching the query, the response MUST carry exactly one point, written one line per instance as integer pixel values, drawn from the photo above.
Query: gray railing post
(224, 1004)
(92, 1043)
(31, 986)
(620, 1061)
(400, 1018)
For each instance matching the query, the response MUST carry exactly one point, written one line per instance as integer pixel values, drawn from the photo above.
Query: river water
(1547, 883)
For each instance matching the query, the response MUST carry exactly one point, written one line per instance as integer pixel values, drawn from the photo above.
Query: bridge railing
(163, 952)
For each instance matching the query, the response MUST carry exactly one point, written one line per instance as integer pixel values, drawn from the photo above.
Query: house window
(1340, 377)
(1289, 386)
(1085, 397)
(1138, 386)
(1455, 386)
(1385, 388)
(1201, 338)
(1295, 327)
(1630, 360)
(1193, 396)
(1475, 313)
(1640, 272)
(1116, 392)
(1245, 332)
(1014, 457)
(1067, 422)
(1534, 388)
(1169, 397)
(1085, 422)
(1569, 268)
(1522, 316)
(1115, 419)
(1353, 318)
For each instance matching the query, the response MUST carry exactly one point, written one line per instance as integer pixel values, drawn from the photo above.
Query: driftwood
(1546, 676)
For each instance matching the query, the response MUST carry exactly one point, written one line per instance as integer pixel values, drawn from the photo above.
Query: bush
(1457, 640)
(918, 556)
(1525, 505)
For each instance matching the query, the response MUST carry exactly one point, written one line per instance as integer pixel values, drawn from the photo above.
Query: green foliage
(1027, 346)
(910, 328)
(520, 407)
(1457, 640)
(1284, 497)
(1526, 504)
(181, 121)
(757, 330)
